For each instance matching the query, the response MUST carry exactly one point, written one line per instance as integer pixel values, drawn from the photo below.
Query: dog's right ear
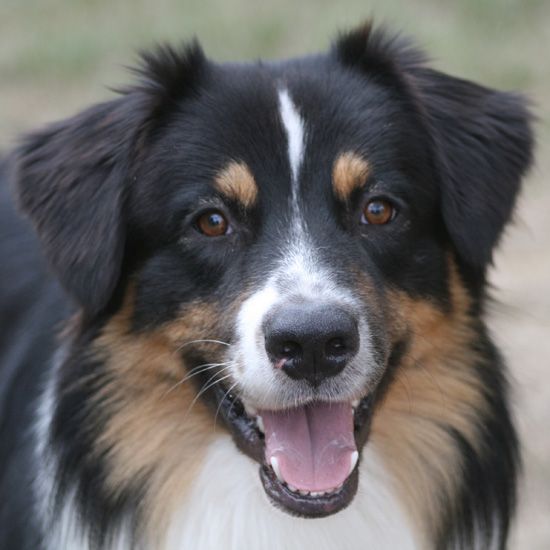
(72, 178)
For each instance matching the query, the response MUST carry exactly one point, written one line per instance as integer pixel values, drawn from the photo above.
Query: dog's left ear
(484, 145)
(72, 178)
(482, 138)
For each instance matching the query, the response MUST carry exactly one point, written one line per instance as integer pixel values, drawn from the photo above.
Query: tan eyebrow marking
(236, 182)
(350, 172)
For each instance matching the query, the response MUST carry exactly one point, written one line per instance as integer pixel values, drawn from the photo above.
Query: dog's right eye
(213, 224)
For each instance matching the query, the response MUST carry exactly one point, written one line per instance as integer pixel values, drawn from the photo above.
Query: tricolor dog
(243, 309)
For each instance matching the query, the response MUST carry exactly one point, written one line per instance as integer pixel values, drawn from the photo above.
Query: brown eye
(378, 212)
(213, 224)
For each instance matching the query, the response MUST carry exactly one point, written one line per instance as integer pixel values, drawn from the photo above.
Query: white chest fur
(227, 509)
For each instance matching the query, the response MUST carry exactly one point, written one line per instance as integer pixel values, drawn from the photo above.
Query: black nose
(311, 341)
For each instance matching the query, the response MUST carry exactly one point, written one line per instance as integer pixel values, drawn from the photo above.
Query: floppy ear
(72, 178)
(70, 182)
(482, 138)
(484, 143)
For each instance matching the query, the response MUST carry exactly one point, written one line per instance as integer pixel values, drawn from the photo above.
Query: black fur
(481, 138)
(113, 194)
(74, 176)
(489, 488)
(31, 310)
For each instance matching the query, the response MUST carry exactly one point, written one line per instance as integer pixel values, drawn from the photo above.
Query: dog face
(270, 225)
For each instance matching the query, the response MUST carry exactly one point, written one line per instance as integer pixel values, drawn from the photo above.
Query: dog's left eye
(378, 212)
(213, 224)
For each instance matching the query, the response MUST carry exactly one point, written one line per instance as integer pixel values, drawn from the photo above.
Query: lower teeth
(303, 492)
(306, 493)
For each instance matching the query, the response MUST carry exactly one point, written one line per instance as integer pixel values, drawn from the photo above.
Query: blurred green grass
(51, 39)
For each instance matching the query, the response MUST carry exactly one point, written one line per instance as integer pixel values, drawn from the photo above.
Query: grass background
(57, 56)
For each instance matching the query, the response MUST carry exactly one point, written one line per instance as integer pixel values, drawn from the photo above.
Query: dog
(243, 308)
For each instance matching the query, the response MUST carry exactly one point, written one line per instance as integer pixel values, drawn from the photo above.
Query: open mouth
(308, 455)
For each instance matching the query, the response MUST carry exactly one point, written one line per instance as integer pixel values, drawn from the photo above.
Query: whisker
(202, 368)
(206, 387)
(195, 371)
(406, 383)
(221, 402)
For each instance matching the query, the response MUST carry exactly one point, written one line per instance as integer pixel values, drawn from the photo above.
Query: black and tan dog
(273, 285)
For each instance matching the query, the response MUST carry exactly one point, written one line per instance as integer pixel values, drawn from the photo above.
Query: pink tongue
(313, 445)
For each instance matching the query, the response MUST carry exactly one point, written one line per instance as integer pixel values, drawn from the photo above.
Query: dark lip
(250, 441)
(306, 506)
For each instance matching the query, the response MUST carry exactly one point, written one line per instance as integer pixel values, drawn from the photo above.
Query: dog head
(275, 226)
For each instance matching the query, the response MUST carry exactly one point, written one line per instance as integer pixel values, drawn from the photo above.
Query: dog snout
(311, 342)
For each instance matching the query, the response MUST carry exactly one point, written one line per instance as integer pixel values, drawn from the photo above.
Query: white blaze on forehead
(297, 275)
(294, 126)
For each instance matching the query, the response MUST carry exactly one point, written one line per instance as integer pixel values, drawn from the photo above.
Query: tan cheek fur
(155, 425)
(436, 386)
